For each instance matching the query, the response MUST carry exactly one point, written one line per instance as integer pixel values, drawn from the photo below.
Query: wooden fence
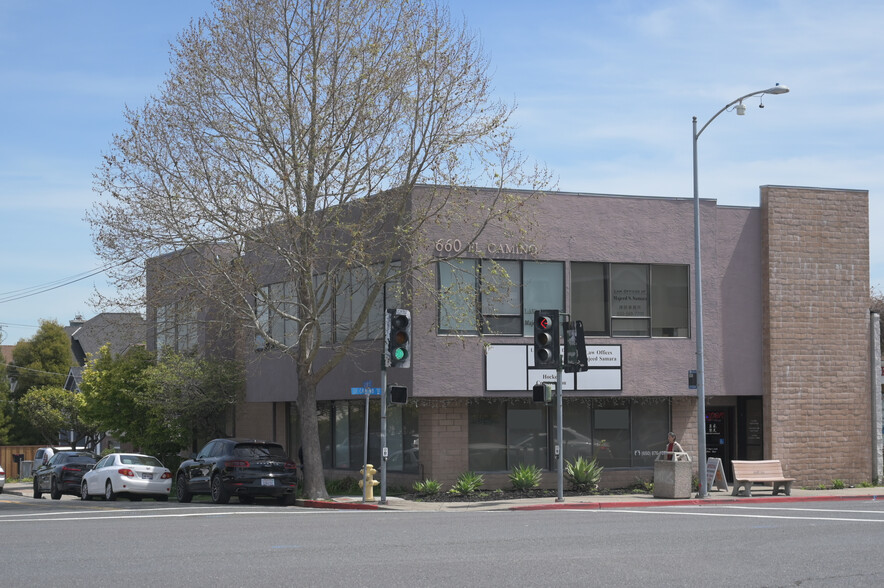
(8, 461)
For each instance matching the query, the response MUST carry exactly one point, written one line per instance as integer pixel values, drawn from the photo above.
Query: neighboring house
(120, 330)
(789, 368)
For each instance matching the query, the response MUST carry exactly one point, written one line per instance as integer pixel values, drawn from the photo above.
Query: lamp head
(741, 109)
(778, 89)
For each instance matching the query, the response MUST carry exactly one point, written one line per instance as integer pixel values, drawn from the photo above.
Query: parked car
(62, 473)
(42, 456)
(133, 475)
(244, 468)
(2, 478)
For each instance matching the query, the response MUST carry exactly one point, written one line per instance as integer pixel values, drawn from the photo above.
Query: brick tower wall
(815, 334)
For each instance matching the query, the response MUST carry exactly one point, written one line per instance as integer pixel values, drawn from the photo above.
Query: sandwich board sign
(715, 474)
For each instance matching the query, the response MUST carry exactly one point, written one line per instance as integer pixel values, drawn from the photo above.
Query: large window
(631, 300)
(278, 312)
(342, 435)
(498, 297)
(176, 328)
(616, 432)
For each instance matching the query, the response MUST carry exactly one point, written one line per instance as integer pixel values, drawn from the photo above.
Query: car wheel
(84, 491)
(54, 491)
(37, 493)
(182, 490)
(109, 492)
(219, 493)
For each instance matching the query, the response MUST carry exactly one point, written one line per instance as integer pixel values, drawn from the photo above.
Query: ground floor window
(616, 432)
(342, 435)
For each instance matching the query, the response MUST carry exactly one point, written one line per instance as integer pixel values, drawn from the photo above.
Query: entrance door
(719, 423)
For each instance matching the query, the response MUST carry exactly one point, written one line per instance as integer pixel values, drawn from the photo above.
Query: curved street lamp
(701, 385)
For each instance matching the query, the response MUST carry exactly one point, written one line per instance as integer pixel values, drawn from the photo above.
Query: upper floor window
(176, 327)
(631, 300)
(497, 297)
(339, 304)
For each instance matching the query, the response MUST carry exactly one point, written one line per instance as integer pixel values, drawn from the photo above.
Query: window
(589, 300)
(457, 289)
(631, 300)
(630, 311)
(503, 294)
(670, 300)
(176, 327)
(616, 432)
(342, 435)
(544, 289)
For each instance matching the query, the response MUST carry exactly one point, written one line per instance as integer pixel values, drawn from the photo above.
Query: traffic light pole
(384, 451)
(560, 436)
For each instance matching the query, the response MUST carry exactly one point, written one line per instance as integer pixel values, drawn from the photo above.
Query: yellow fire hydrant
(368, 478)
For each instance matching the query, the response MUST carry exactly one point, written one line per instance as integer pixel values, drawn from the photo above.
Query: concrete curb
(691, 502)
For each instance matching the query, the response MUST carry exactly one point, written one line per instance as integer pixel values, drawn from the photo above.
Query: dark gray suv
(244, 468)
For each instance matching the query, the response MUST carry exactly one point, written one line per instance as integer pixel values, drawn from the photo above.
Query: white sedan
(129, 474)
(2, 478)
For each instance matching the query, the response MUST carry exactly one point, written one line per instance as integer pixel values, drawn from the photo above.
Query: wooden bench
(768, 471)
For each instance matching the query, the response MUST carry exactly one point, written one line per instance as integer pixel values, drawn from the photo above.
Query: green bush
(348, 486)
(467, 483)
(427, 487)
(525, 477)
(583, 475)
(838, 484)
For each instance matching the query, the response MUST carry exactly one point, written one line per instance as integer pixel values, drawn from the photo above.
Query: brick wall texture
(815, 333)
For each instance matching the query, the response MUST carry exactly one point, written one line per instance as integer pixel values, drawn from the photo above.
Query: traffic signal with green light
(397, 338)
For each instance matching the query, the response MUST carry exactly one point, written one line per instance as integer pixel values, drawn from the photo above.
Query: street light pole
(698, 288)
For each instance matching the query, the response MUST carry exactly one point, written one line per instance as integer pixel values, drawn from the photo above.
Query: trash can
(27, 468)
(672, 478)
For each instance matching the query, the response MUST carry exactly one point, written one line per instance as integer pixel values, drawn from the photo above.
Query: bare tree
(318, 140)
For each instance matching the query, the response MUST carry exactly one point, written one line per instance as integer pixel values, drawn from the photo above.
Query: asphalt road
(76, 543)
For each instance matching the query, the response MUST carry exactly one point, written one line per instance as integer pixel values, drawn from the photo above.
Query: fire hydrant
(369, 480)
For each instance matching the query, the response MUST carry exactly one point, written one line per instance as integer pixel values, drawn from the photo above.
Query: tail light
(166, 476)
(71, 468)
(237, 463)
(126, 472)
(290, 465)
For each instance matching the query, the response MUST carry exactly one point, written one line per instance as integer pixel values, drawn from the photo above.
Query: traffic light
(397, 338)
(543, 393)
(575, 347)
(546, 338)
(398, 394)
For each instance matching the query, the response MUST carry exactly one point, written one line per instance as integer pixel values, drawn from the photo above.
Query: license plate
(267, 481)
(147, 476)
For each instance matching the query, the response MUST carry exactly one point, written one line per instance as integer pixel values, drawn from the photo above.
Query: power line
(13, 295)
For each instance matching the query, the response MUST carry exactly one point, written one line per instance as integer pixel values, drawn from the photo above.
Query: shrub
(525, 477)
(583, 475)
(427, 487)
(343, 487)
(467, 483)
(838, 484)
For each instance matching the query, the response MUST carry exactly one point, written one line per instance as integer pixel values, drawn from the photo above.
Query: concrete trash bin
(672, 479)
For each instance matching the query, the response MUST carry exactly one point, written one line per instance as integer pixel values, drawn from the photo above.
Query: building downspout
(875, 382)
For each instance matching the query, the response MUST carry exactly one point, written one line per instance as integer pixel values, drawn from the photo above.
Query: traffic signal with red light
(546, 338)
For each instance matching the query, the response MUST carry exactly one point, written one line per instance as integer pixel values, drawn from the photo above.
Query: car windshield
(254, 451)
(144, 460)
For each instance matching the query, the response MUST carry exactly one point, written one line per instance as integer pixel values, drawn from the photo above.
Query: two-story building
(792, 359)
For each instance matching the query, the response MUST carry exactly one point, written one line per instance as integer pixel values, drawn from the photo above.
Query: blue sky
(605, 92)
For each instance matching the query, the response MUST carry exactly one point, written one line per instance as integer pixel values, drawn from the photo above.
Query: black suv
(62, 473)
(244, 468)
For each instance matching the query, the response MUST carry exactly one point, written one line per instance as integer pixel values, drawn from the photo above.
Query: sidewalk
(761, 495)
